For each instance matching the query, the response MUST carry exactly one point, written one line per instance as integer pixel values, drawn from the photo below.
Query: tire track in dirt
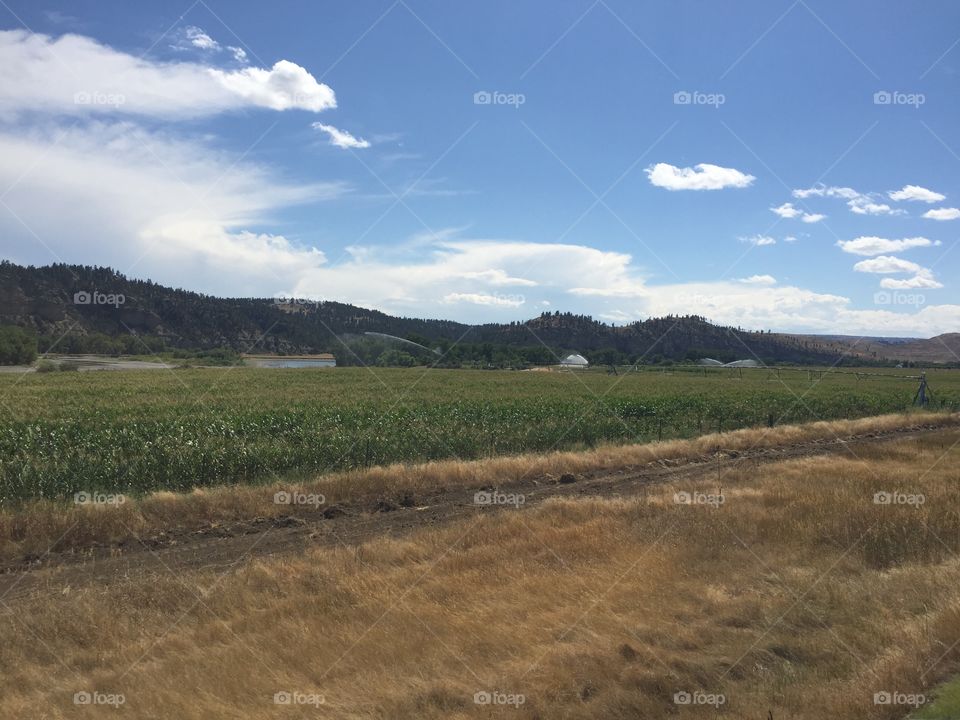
(230, 545)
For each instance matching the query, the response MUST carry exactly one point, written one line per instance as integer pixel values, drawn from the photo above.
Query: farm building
(574, 361)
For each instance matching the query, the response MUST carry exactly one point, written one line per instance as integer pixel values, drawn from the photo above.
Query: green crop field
(138, 431)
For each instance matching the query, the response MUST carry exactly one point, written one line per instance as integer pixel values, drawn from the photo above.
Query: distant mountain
(943, 349)
(73, 308)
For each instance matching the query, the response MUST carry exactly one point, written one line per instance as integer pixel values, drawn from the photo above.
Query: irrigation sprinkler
(924, 393)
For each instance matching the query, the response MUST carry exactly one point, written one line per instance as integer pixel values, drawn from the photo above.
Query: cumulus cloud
(759, 280)
(75, 75)
(859, 203)
(700, 177)
(341, 138)
(942, 214)
(887, 265)
(789, 212)
(758, 240)
(919, 281)
(865, 206)
(283, 87)
(916, 193)
(870, 245)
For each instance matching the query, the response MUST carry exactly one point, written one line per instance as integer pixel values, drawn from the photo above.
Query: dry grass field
(813, 587)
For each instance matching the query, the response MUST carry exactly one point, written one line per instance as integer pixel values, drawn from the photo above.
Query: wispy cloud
(341, 138)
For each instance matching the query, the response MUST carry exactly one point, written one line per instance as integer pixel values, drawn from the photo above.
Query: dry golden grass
(798, 595)
(34, 527)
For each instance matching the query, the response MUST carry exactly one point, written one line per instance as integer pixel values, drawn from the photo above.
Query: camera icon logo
(82, 298)
(282, 498)
(482, 698)
(882, 498)
(81, 498)
(82, 698)
(682, 97)
(283, 698)
(882, 97)
(483, 498)
(482, 97)
(682, 498)
(682, 698)
(882, 698)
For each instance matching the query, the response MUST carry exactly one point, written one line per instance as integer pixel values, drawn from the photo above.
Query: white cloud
(75, 75)
(824, 191)
(175, 210)
(788, 211)
(239, 54)
(759, 280)
(865, 206)
(870, 245)
(942, 214)
(924, 281)
(758, 240)
(285, 86)
(484, 299)
(198, 38)
(341, 138)
(700, 177)
(887, 264)
(916, 193)
(859, 203)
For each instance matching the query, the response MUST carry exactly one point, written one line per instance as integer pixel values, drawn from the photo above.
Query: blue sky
(766, 164)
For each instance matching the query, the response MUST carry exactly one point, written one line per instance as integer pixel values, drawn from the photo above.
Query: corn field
(134, 432)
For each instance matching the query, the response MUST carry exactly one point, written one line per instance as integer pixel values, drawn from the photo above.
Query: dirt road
(223, 547)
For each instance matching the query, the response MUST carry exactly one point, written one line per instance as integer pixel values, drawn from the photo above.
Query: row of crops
(135, 432)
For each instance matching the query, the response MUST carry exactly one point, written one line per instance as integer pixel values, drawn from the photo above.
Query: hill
(75, 308)
(944, 349)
